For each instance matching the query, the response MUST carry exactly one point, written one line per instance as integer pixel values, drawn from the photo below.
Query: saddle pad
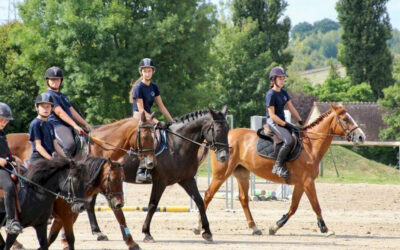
(161, 141)
(265, 148)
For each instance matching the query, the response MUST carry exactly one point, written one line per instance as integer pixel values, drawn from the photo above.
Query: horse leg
(242, 176)
(191, 189)
(41, 232)
(10, 240)
(2, 242)
(296, 196)
(126, 234)
(312, 197)
(93, 221)
(54, 230)
(156, 191)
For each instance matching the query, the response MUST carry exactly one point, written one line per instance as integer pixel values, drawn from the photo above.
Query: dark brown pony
(106, 177)
(112, 142)
(317, 137)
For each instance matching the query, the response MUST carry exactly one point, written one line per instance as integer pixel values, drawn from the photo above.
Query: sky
(298, 10)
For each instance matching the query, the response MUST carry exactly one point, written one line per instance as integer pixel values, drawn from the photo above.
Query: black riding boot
(280, 168)
(143, 175)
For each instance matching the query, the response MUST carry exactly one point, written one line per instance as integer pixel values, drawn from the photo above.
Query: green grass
(352, 168)
(319, 75)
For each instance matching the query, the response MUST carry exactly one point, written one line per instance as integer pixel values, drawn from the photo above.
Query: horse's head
(74, 187)
(144, 143)
(111, 183)
(216, 134)
(346, 126)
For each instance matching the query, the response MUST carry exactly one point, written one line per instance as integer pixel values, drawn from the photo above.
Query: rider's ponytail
(133, 87)
(272, 82)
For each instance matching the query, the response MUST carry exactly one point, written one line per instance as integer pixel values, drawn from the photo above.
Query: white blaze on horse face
(355, 124)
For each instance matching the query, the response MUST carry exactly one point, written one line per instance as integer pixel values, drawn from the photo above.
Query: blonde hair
(133, 87)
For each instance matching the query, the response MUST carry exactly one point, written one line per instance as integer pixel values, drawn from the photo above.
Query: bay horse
(56, 176)
(104, 176)
(110, 141)
(179, 162)
(316, 139)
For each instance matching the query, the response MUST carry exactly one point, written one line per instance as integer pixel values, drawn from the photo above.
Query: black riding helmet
(44, 98)
(5, 111)
(146, 62)
(54, 72)
(277, 71)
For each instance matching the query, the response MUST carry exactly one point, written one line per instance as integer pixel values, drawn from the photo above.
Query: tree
(325, 25)
(272, 28)
(301, 30)
(99, 44)
(364, 51)
(17, 87)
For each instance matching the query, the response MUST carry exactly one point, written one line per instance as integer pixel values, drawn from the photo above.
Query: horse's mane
(318, 120)
(113, 124)
(191, 116)
(42, 169)
(93, 166)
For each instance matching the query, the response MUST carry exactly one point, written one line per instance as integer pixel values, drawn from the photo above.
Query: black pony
(179, 162)
(54, 176)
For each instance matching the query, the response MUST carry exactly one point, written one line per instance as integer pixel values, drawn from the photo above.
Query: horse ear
(224, 110)
(152, 115)
(332, 106)
(213, 114)
(142, 116)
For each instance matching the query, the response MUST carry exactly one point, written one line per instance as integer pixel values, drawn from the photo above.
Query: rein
(68, 198)
(214, 143)
(109, 193)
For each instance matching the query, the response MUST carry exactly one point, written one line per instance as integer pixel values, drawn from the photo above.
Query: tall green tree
(99, 45)
(17, 87)
(364, 51)
(273, 27)
(245, 52)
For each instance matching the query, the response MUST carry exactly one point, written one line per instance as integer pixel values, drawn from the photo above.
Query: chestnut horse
(110, 141)
(104, 176)
(316, 139)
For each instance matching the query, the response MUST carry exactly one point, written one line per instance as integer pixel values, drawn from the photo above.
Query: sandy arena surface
(363, 216)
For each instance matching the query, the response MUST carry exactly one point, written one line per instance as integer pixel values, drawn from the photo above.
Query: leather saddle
(269, 144)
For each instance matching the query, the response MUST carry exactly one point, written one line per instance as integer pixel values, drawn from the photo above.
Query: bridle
(108, 193)
(71, 198)
(214, 144)
(139, 150)
(348, 131)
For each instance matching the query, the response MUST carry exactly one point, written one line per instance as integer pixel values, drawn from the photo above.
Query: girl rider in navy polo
(276, 100)
(41, 132)
(144, 93)
(64, 116)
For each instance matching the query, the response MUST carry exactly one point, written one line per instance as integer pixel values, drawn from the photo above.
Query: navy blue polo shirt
(43, 131)
(278, 100)
(62, 101)
(146, 93)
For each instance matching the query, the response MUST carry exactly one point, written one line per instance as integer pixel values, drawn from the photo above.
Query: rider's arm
(274, 117)
(58, 149)
(79, 118)
(139, 103)
(163, 109)
(41, 150)
(65, 117)
(293, 110)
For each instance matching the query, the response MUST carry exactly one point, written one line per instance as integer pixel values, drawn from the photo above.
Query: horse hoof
(330, 234)
(148, 239)
(135, 247)
(101, 237)
(272, 231)
(196, 231)
(208, 237)
(257, 232)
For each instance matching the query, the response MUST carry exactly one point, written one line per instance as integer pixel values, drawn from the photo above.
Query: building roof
(368, 116)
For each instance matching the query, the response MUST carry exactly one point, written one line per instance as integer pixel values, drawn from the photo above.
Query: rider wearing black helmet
(41, 132)
(64, 116)
(276, 100)
(143, 94)
(12, 225)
